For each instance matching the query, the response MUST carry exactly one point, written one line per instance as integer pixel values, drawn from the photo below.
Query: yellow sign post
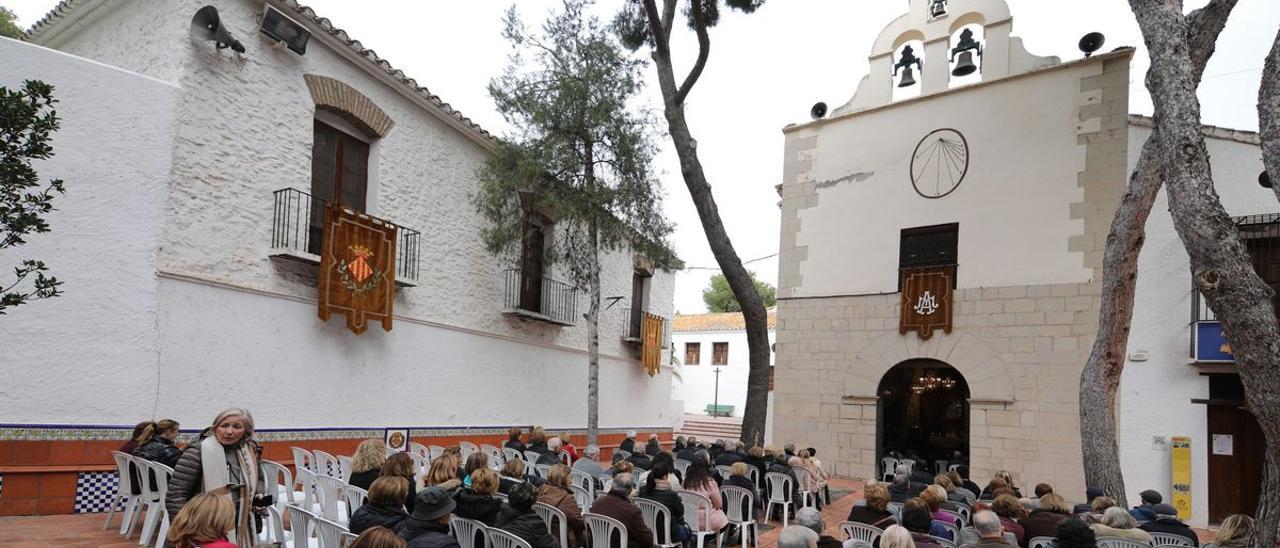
(1181, 455)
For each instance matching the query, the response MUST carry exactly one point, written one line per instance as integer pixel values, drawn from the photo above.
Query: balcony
(297, 231)
(539, 298)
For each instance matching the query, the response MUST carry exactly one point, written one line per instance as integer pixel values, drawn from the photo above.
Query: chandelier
(929, 382)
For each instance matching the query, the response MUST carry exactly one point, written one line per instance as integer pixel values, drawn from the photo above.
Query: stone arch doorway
(923, 413)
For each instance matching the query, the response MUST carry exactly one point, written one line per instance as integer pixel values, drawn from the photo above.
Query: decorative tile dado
(318, 434)
(9, 432)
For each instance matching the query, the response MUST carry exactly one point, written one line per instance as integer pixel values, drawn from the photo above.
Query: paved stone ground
(84, 531)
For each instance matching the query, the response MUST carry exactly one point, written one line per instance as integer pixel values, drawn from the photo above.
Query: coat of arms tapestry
(651, 336)
(357, 268)
(926, 300)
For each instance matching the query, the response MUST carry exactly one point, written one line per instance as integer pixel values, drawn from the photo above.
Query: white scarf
(215, 476)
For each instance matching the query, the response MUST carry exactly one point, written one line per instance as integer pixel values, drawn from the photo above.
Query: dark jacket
(188, 474)
(971, 486)
(517, 445)
(1042, 523)
(902, 494)
(549, 458)
(671, 500)
(160, 449)
(728, 458)
(528, 526)
(426, 534)
(745, 483)
(370, 515)
(618, 507)
(864, 514)
(828, 541)
(1171, 526)
(652, 448)
(628, 445)
(538, 446)
(483, 508)
(641, 460)
(687, 453)
(364, 479)
(1143, 513)
(505, 483)
(1011, 526)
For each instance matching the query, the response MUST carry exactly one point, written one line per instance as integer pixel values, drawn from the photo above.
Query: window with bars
(692, 353)
(1261, 235)
(720, 353)
(929, 246)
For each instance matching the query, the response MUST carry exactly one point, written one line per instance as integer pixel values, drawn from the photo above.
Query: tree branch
(1269, 115)
(1204, 26)
(704, 51)
(661, 44)
(668, 18)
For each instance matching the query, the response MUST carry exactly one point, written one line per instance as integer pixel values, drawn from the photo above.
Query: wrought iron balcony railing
(297, 230)
(539, 298)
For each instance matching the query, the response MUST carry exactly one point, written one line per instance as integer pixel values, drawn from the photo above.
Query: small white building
(187, 243)
(714, 361)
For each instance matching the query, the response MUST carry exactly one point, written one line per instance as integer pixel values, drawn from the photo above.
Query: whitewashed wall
(90, 355)
(1155, 395)
(1013, 207)
(244, 129)
(697, 383)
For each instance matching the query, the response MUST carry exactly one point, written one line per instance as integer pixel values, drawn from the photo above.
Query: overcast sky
(765, 71)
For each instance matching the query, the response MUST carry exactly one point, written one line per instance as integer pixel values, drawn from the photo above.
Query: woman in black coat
(519, 519)
(477, 502)
(659, 488)
(738, 478)
(156, 443)
(384, 506)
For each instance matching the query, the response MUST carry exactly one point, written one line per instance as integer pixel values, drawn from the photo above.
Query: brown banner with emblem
(926, 300)
(357, 268)
(651, 335)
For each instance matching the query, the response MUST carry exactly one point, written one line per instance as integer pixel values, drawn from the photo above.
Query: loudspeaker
(818, 111)
(1092, 42)
(206, 25)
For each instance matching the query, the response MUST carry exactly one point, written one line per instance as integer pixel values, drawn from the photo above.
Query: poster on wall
(1223, 444)
(1181, 461)
(397, 439)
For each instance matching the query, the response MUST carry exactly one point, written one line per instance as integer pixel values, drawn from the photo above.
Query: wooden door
(1234, 479)
(533, 247)
(339, 174)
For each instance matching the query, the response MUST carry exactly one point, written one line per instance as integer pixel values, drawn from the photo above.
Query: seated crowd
(1002, 517)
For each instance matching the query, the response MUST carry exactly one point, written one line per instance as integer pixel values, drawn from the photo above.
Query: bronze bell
(965, 67)
(908, 79)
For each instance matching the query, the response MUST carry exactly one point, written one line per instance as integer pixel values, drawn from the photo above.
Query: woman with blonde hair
(538, 440)
(366, 464)
(513, 473)
(383, 507)
(896, 537)
(477, 501)
(204, 522)
(444, 473)
(876, 511)
(1043, 521)
(377, 537)
(555, 492)
(1117, 523)
(1010, 511)
(1236, 532)
(156, 443)
(223, 461)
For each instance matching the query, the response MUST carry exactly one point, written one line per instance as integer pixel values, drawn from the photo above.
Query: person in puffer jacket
(156, 443)
(477, 502)
(384, 505)
(223, 461)
(519, 519)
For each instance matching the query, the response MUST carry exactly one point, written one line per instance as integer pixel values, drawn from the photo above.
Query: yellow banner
(1181, 455)
(651, 335)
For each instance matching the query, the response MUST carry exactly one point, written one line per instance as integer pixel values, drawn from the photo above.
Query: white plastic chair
(888, 464)
(755, 475)
(346, 539)
(622, 453)
(895, 508)
(420, 463)
(543, 469)
(911, 464)
(1167, 539)
(303, 459)
(965, 512)
(436, 451)
(532, 456)
(310, 497)
(157, 511)
(329, 533)
(583, 497)
(583, 480)
(779, 485)
(739, 507)
(344, 467)
(496, 457)
(602, 528)
(1044, 542)
(509, 453)
(682, 466)
(327, 465)
(557, 523)
(651, 510)
(468, 447)
(124, 492)
(147, 501)
(723, 471)
(860, 531)
(355, 498)
(697, 505)
(273, 529)
(956, 518)
(467, 531)
(503, 539)
(1116, 542)
(301, 525)
(950, 527)
(566, 459)
(332, 505)
(279, 480)
(418, 448)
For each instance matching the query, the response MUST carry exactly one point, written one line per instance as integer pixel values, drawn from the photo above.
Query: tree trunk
(754, 316)
(593, 309)
(1100, 379)
(1220, 266)
(1269, 115)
